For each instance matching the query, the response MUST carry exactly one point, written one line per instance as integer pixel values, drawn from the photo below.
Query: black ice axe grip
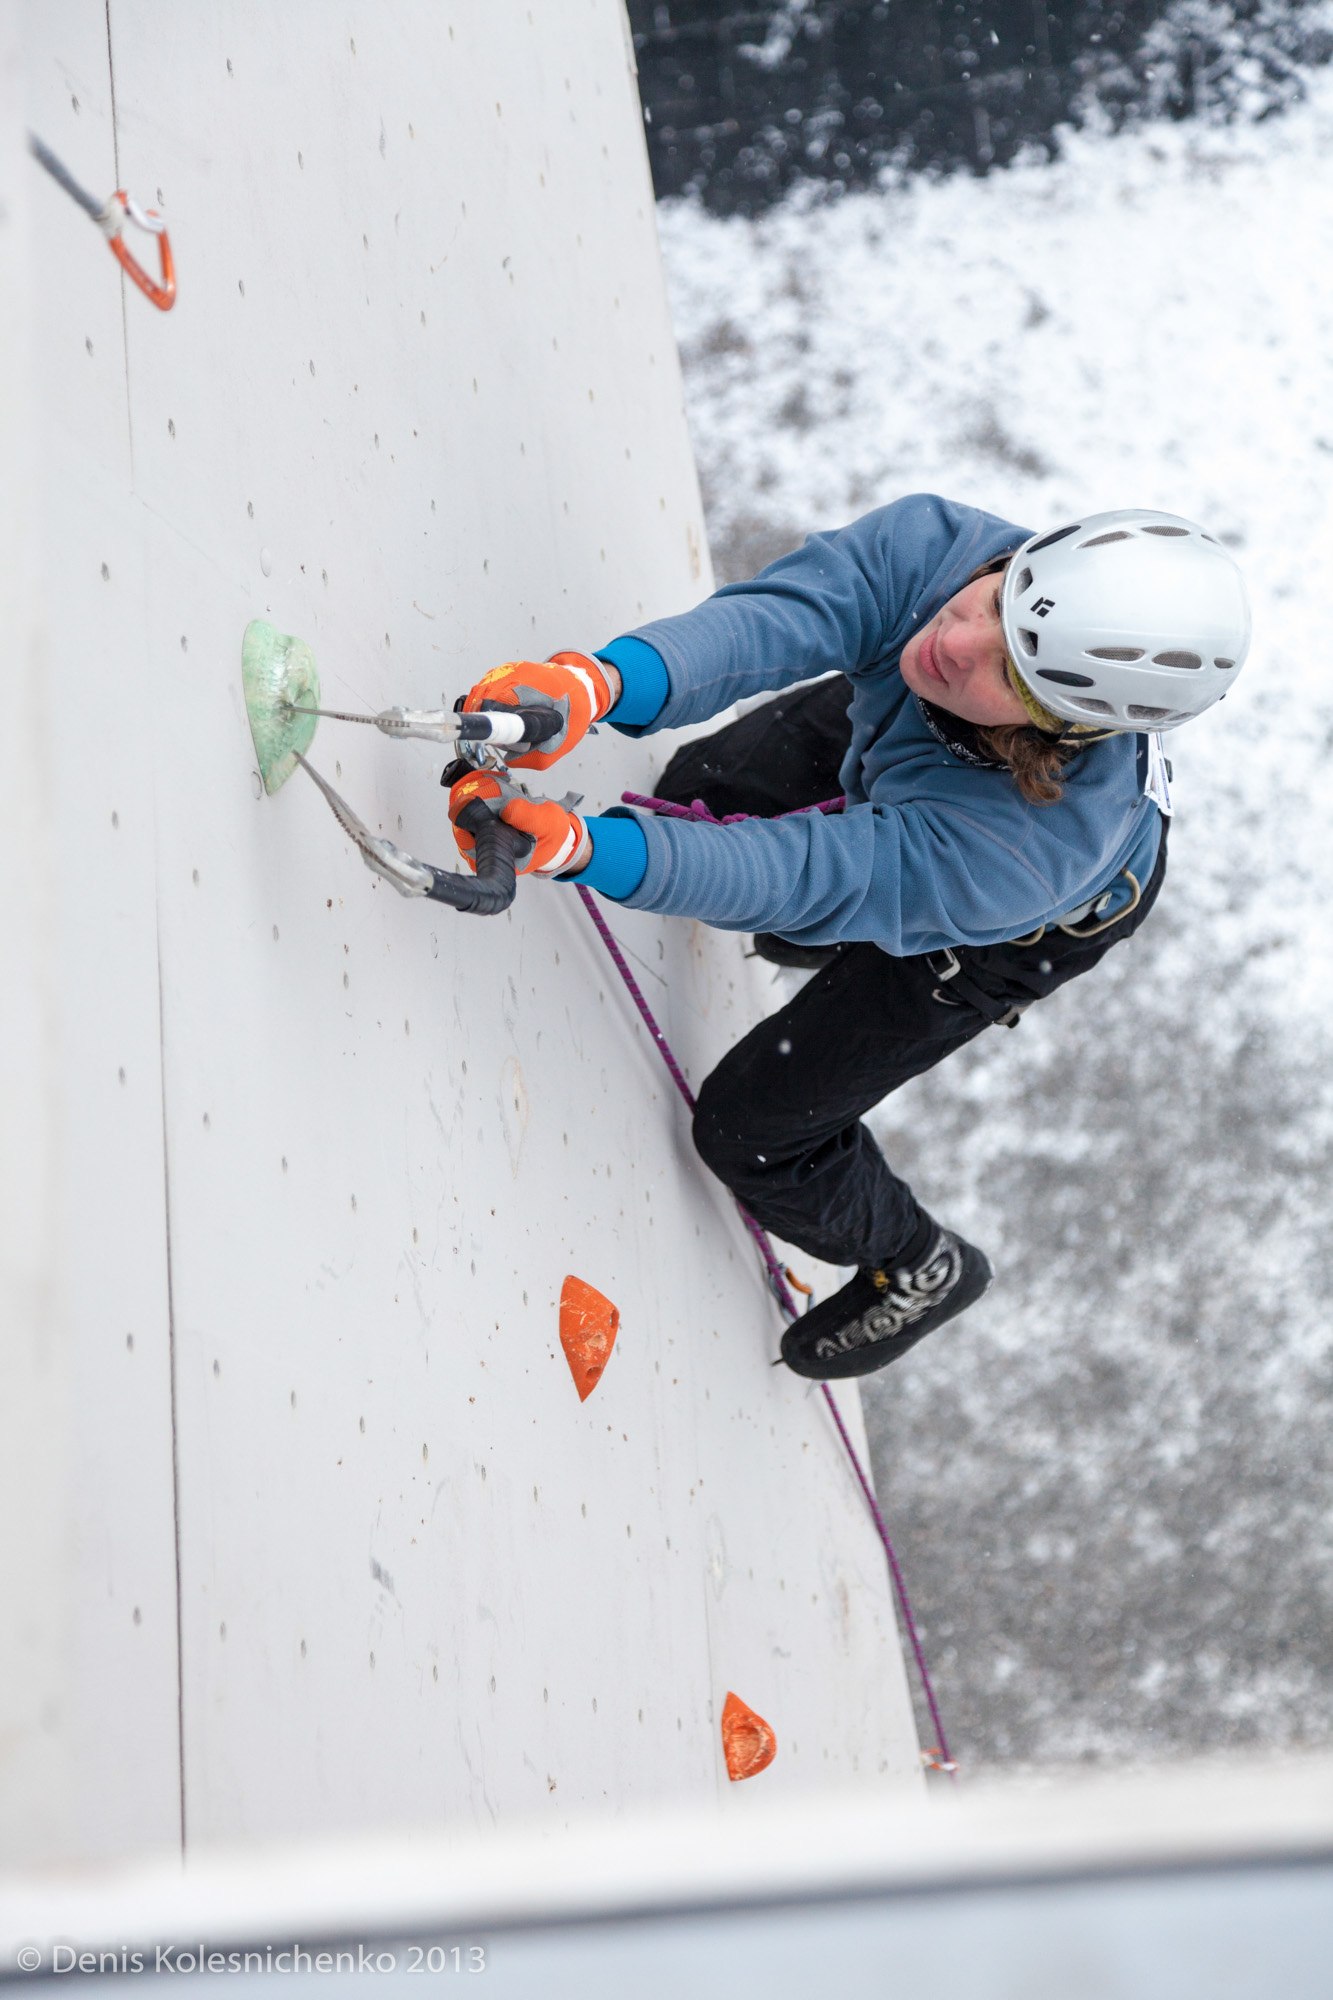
(539, 724)
(498, 850)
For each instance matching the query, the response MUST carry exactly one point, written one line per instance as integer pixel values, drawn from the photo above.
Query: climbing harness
(1090, 919)
(1087, 920)
(111, 216)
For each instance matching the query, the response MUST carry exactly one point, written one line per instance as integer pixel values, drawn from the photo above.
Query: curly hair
(1034, 761)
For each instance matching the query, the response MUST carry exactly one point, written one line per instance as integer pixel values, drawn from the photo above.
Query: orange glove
(581, 688)
(563, 844)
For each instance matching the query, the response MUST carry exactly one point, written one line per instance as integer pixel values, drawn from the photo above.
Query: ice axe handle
(513, 729)
(498, 848)
(539, 725)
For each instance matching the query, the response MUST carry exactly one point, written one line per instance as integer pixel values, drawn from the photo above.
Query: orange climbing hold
(748, 1743)
(588, 1325)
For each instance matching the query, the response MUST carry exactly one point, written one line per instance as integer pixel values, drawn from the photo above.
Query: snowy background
(1110, 1484)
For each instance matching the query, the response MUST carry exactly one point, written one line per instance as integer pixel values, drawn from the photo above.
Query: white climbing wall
(349, 1553)
(34, 1393)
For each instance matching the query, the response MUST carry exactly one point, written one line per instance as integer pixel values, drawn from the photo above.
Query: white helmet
(1127, 620)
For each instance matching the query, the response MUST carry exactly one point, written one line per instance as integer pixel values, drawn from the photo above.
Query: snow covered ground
(1111, 1483)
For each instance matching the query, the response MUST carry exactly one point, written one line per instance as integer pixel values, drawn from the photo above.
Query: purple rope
(664, 1048)
(777, 1277)
(698, 810)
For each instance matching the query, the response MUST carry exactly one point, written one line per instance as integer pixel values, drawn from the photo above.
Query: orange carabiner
(162, 295)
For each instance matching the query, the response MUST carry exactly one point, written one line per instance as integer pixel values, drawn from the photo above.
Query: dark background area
(742, 101)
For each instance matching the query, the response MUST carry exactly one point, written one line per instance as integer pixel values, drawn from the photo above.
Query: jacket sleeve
(843, 601)
(907, 878)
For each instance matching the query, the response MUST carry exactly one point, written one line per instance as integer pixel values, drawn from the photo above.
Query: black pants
(779, 1119)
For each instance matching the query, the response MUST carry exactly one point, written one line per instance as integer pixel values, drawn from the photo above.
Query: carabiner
(120, 208)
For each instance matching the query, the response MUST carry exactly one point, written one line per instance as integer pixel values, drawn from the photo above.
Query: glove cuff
(600, 681)
(576, 858)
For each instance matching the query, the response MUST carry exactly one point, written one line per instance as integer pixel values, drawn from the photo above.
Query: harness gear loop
(966, 992)
(1096, 924)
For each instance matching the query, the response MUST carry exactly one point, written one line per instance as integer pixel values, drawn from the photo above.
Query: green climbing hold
(278, 671)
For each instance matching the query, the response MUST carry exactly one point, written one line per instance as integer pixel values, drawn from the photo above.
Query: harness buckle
(945, 965)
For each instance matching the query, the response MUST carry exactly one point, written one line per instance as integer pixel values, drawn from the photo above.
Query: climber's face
(959, 660)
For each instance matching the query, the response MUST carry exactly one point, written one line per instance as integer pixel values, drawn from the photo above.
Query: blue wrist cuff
(644, 686)
(619, 857)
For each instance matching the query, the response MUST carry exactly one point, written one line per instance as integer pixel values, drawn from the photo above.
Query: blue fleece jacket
(931, 851)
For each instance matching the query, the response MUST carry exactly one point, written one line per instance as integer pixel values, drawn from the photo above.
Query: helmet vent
(1065, 680)
(1029, 642)
(1024, 581)
(1158, 529)
(1140, 714)
(1091, 706)
(1209, 538)
(1100, 541)
(1224, 663)
(1176, 660)
(1115, 652)
(1049, 541)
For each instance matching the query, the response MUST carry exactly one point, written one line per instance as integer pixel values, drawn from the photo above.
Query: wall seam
(162, 1056)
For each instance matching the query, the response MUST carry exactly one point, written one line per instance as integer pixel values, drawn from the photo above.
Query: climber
(990, 703)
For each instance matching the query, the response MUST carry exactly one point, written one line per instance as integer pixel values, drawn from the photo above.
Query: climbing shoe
(880, 1314)
(781, 951)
